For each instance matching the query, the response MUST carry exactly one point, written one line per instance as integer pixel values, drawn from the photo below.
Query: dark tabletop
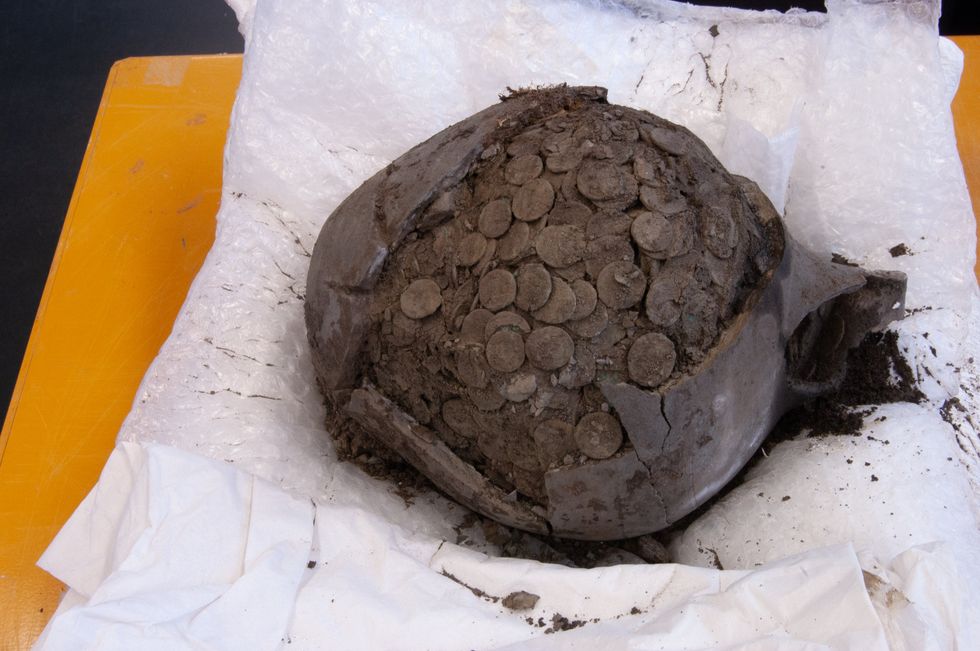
(54, 60)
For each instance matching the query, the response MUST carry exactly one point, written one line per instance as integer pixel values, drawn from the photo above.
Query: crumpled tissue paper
(223, 518)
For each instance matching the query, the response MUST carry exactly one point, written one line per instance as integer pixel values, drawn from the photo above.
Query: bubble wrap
(843, 119)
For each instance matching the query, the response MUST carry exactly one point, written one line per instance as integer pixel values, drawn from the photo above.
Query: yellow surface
(139, 225)
(966, 114)
(140, 222)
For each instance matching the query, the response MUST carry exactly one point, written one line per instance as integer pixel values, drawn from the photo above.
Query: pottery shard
(560, 246)
(495, 218)
(560, 304)
(497, 289)
(549, 348)
(522, 169)
(651, 359)
(471, 249)
(514, 242)
(605, 181)
(505, 351)
(421, 298)
(598, 435)
(533, 286)
(620, 285)
(533, 200)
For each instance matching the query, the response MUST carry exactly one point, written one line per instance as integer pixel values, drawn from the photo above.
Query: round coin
(560, 246)
(514, 242)
(497, 289)
(604, 181)
(505, 351)
(420, 299)
(585, 299)
(620, 285)
(560, 305)
(598, 435)
(549, 348)
(651, 359)
(533, 286)
(522, 169)
(533, 200)
(471, 249)
(495, 218)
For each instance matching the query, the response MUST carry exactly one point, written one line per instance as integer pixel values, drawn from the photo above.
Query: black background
(54, 59)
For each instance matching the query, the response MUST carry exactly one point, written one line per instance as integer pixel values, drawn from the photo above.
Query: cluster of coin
(579, 252)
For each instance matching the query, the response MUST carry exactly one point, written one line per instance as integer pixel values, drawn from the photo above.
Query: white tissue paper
(223, 519)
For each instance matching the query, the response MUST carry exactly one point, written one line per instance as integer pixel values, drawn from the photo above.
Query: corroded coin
(497, 289)
(665, 297)
(598, 435)
(718, 231)
(560, 246)
(651, 359)
(560, 304)
(585, 299)
(514, 242)
(564, 162)
(505, 351)
(421, 298)
(495, 218)
(651, 232)
(471, 249)
(554, 439)
(580, 370)
(522, 169)
(471, 367)
(518, 387)
(606, 249)
(506, 320)
(456, 414)
(549, 348)
(605, 181)
(533, 286)
(620, 285)
(533, 200)
(574, 213)
(474, 325)
(591, 325)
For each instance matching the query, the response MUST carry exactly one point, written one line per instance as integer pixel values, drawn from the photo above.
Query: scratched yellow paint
(138, 227)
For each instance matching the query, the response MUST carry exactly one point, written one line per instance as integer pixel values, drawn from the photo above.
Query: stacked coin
(598, 245)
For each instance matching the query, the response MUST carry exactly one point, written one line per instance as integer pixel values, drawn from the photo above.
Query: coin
(495, 218)
(549, 348)
(497, 289)
(598, 435)
(651, 359)
(421, 298)
(533, 200)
